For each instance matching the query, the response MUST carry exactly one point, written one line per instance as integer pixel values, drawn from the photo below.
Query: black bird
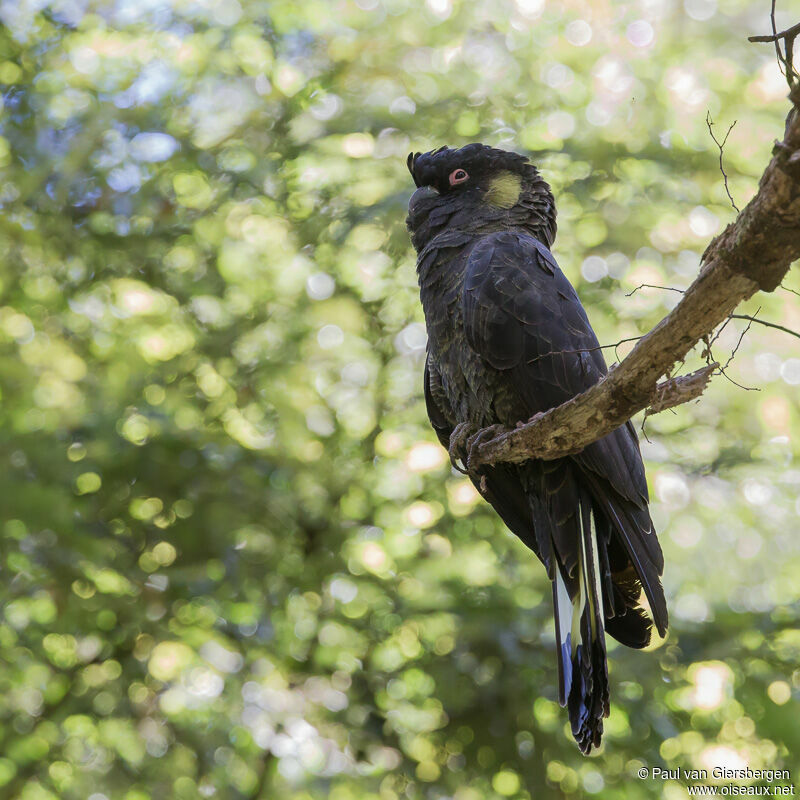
(507, 338)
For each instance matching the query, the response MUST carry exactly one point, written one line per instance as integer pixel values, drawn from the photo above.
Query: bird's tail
(580, 632)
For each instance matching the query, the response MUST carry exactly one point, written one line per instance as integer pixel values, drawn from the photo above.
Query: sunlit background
(235, 562)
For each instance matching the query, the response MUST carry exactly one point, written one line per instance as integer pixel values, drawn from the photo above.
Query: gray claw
(477, 439)
(458, 440)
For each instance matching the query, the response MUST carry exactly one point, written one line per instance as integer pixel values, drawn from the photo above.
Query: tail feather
(562, 605)
(648, 573)
(601, 555)
(629, 623)
(626, 621)
(579, 614)
(634, 530)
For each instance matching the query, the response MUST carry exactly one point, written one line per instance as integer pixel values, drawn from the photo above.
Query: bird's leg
(477, 439)
(458, 441)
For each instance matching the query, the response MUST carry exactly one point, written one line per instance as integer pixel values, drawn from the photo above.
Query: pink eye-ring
(458, 176)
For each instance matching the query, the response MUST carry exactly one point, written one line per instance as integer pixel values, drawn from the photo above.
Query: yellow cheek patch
(504, 190)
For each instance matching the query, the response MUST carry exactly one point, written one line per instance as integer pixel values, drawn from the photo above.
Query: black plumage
(507, 338)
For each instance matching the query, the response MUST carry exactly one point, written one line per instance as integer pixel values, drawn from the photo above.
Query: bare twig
(719, 331)
(721, 145)
(722, 370)
(653, 286)
(743, 334)
(789, 33)
(785, 59)
(736, 383)
(787, 289)
(751, 320)
(584, 350)
(766, 324)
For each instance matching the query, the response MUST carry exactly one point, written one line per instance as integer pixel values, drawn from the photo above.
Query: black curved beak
(422, 194)
(419, 206)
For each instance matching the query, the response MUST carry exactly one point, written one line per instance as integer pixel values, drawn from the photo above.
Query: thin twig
(719, 332)
(787, 289)
(720, 145)
(789, 33)
(706, 354)
(775, 34)
(735, 383)
(785, 60)
(642, 430)
(766, 324)
(653, 286)
(722, 370)
(584, 350)
(750, 321)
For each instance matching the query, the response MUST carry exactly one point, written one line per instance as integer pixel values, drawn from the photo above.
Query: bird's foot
(458, 444)
(477, 439)
(465, 440)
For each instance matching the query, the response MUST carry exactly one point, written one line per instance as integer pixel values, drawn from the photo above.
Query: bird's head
(478, 188)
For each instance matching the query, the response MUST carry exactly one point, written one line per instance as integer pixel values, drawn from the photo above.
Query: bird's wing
(502, 487)
(522, 316)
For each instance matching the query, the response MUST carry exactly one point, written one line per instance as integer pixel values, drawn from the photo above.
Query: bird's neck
(467, 228)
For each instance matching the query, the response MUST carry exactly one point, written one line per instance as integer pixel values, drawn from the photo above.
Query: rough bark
(675, 391)
(751, 254)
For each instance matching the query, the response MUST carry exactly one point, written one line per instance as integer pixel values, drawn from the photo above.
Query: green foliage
(235, 562)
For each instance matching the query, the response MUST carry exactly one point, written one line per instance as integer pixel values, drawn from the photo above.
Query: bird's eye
(458, 176)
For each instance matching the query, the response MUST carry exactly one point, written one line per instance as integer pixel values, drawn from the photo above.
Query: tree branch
(754, 253)
(675, 391)
(792, 33)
